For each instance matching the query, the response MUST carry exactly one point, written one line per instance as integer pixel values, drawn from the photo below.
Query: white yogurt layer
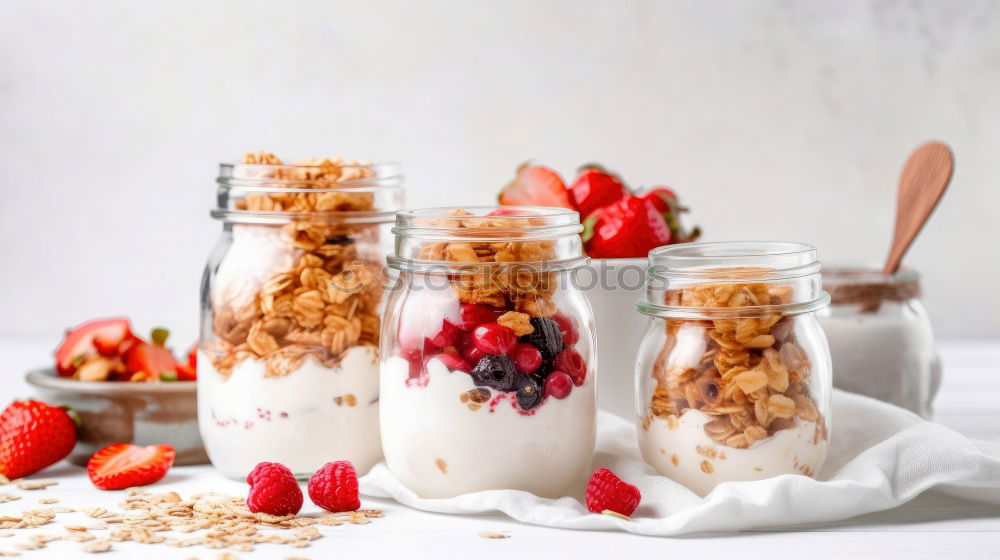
(440, 447)
(302, 420)
(686, 454)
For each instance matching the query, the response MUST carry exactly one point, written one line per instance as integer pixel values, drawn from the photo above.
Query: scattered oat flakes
(490, 535)
(102, 545)
(707, 467)
(675, 459)
(33, 484)
(49, 501)
(4, 498)
(616, 514)
(4, 480)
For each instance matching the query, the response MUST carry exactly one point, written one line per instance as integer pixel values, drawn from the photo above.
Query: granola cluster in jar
(321, 297)
(752, 378)
(524, 289)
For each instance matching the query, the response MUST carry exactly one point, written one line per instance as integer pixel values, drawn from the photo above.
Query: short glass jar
(880, 336)
(489, 361)
(291, 296)
(733, 378)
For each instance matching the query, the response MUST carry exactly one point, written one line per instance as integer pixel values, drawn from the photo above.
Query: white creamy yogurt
(439, 447)
(686, 454)
(888, 355)
(302, 420)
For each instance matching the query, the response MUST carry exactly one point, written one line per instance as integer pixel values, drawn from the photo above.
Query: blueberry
(497, 372)
(529, 392)
(547, 337)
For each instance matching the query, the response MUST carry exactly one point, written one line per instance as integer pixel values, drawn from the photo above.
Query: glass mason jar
(880, 336)
(290, 300)
(488, 362)
(733, 377)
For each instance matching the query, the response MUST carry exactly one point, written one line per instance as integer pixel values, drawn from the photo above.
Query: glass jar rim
(731, 262)
(863, 283)
(526, 224)
(236, 180)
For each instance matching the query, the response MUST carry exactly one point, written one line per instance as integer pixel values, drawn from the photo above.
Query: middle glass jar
(488, 353)
(733, 378)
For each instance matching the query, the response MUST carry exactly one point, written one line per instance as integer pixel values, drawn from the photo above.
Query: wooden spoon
(925, 177)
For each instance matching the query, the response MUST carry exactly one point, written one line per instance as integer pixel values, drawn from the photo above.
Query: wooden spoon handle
(924, 179)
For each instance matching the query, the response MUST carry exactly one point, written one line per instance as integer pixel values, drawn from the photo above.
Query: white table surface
(929, 527)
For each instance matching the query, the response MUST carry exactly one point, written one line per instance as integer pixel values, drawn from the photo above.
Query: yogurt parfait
(733, 376)
(288, 359)
(488, 365)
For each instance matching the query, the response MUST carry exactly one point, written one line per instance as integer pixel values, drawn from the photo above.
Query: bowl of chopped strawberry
(621, 225)
(125, 389)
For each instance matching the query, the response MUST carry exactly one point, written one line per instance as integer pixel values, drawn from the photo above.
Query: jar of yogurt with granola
(488, 363)
(733, 377)
(289, 349)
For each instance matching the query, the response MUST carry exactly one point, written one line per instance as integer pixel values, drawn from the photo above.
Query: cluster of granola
(211, 520)
(752, 375)
(323, 298)
(525, 289)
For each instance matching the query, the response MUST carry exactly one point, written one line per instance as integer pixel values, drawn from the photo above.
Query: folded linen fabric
(881, 456)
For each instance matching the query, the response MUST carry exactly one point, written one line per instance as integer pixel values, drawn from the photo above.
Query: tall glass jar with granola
(488, 362)
(289, 350)
(733, 377)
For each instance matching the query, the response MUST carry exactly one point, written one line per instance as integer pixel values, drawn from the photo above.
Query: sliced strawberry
(186, 372)
(124, 465)
(193, 355)
(595, 188)
(535, 185)
(629, 228)
(81, 342)
(149, 358)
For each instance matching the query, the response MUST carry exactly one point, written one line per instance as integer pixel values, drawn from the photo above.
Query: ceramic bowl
(123, 412)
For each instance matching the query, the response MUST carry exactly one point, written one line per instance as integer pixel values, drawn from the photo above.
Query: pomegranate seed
(494, 338)
(526, 358)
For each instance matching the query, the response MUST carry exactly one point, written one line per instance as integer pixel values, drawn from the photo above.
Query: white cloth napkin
(880, 456)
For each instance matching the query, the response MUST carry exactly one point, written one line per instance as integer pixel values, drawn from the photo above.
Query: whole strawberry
(334, 487)
(595, 189)
(606, 491)
(628, 228)
(33, 435)
(273, 490)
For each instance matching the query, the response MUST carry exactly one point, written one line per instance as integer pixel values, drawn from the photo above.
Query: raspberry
(526, 358)
(273, 490)
(571, 362)
(334, 487)
(494, 338)
(606, 491)
(558, 384)
(546, 337)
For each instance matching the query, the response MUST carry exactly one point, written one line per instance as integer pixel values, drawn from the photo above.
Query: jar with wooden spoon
(880, 335)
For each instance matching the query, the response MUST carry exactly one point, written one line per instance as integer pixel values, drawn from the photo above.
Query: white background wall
(774, 120)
